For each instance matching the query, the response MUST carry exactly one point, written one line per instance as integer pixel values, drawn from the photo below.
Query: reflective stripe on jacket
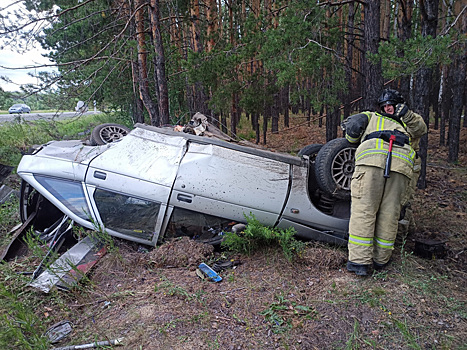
(374, 151)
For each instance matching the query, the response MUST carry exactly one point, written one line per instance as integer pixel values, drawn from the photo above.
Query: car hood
(68, 159)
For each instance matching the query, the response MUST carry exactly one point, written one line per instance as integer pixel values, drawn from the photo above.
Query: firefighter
(384, 167)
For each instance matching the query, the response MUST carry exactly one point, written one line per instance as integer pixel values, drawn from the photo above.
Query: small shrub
(257, 236)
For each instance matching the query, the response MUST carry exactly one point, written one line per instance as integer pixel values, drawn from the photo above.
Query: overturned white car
(157, 183)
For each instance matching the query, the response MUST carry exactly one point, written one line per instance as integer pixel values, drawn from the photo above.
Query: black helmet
(390, 97)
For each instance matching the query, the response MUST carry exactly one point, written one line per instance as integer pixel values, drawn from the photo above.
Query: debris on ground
(323, 258)
(180, 252)
(206, 272)
(58, 331)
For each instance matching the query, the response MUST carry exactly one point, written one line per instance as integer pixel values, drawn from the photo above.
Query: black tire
(30, 201)
(334, 166)
(107, 133)
(310, 150)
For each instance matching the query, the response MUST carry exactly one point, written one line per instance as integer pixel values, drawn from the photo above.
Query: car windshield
(16, 106)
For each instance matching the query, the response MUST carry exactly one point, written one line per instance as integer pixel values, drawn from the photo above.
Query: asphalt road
(43, 116)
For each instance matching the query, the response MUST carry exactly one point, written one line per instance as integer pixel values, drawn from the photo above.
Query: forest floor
(267, 302)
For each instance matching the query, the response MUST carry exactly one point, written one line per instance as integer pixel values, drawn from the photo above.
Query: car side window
(196, 225)
(70, 193)
(127, 215)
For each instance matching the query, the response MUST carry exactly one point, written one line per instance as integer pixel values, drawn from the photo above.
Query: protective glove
(400, 110)
(354, 126)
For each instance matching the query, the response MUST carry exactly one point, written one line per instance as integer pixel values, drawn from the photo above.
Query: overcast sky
(18, 61)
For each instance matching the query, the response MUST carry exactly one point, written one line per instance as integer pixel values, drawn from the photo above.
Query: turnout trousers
(375, 209)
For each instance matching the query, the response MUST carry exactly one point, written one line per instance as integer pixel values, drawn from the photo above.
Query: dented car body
(157, 183)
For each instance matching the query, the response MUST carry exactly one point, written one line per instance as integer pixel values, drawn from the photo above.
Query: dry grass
(156, 301)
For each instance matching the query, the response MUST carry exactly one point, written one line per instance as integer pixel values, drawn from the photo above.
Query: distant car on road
(19, 108)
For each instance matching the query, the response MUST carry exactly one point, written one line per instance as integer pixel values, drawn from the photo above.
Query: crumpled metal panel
(145, 155)
(233, 177)
(71, 266)
(66, 159)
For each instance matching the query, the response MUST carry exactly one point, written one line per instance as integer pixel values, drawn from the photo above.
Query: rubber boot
(379, 266)
(359, 269)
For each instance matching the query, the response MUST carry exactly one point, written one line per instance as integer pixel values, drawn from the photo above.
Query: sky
(18, 61)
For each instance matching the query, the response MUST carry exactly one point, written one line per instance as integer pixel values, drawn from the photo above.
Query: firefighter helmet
(390, 97)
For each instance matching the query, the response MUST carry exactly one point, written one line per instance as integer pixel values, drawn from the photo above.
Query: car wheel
(31, 200)
(107, 133)
(310, 150)
(334, 166)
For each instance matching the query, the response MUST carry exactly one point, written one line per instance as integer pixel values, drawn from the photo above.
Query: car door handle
(184, 198)
(100, 175)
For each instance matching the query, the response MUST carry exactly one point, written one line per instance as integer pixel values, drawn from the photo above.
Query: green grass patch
(283, 314)
(9, 216)
(257, 236)
(20, 327)
(16, 138)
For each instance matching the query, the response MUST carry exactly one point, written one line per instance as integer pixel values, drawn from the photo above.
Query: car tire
(107, 133)
(334, 166)
(310, 150)
(31, 200)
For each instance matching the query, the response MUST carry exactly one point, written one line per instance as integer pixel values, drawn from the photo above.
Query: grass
(16, 138)
(8, 217)
(396, 309)
(257, 236)
(20, 326)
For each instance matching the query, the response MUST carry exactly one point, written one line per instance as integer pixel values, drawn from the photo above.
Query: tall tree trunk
(372, 71)
(160, 63)
(404, 33)
(434, 95)
(429, 12)
(459, 85)
(349, 63)
(142, 65)
(212, 24)
(234, 115)
(444, 104)
(199, 97)
(286, 105)
(275, 113)
(138, 106)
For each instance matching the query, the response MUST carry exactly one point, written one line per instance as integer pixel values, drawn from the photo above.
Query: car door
(230, 182)
(129, 184)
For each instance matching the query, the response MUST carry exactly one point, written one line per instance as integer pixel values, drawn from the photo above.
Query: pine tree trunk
(372, 71)
(458, 87)
(286, 105)
(404, 33)
(275, 113)
(446, 100)
(349, 65)
(160, 63)
(142, 65)
(429, 12)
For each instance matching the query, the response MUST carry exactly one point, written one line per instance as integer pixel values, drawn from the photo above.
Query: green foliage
(8, 218)
(257, 236)
(404, 58)
(20, 327)
(281, 313)
(18, 137)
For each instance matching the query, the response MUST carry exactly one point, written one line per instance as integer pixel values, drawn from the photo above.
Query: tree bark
(160, 63)
(459, 85)
(142, 65)
(404, 33)
(372, 71)
(445, 103)
(349, 63)
(429, 12)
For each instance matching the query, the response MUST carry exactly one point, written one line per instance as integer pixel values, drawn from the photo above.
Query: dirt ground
(156, 300)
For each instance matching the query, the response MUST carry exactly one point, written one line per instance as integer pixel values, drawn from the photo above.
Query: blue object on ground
(210, 273)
